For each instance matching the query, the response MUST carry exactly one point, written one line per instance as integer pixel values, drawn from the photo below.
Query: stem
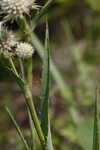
(22, 68)
(31, 107)
(32, 130)
(29, 81)
(18, 129)
(13, 66)
(29, 75)
(27, 36)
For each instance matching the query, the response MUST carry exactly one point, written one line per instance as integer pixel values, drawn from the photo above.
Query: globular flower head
(8, 43)
(16, 8)
(24, 50)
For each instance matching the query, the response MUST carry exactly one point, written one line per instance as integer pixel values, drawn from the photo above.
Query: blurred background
(75, 48)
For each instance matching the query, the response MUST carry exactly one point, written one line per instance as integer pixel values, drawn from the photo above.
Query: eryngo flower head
(24, 50)
(14, 9)
(8, 42)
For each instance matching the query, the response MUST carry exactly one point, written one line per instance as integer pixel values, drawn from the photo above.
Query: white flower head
(8, 43)
(24, 50)
(14, 9)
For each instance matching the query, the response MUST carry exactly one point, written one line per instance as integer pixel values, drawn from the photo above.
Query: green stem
(32, 130)
(27, 36)
(18, 129)
(22, 68)
(31, 107)
(29, 80)
(29, 77)
(13, 66)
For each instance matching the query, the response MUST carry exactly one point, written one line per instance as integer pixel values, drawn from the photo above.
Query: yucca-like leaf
(45, 86)
(96, 127)
(18, 129)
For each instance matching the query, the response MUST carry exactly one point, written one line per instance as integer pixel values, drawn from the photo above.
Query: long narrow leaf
(45, 86)
(18, 129)
(42, 12)
(49, 140)
(96, 132)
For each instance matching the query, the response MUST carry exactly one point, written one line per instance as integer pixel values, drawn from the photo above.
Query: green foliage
(18, 129)
(94, 4)
(45, 86)
(71, 114)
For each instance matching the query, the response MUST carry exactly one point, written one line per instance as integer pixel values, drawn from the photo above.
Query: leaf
(45, 87)
(96, 126)
(49, 140)
(42, 12)
(18, 129)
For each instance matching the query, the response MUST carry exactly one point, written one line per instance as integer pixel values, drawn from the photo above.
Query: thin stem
(32, 130)
(29, 81)
(18, 129)
(13, 66)
(29, 78)
(31, 107)
(29, 74)
(22, 68)
(27, 35)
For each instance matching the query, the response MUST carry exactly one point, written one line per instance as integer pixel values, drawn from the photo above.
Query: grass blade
(49, 140)
(96, 127)
(42, 12)
(64, 89)
(45, 86)
(18, 129)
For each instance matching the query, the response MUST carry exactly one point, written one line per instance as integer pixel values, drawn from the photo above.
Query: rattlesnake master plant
(14, 9)
(23, 47)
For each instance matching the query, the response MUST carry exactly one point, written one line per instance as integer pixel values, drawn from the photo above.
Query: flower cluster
(24, 50)
(13, 9)
(7, 43)
(10, 46)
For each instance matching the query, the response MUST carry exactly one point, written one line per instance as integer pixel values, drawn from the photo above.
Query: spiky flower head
(14, 9)
(8, 43)
(24, 50)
